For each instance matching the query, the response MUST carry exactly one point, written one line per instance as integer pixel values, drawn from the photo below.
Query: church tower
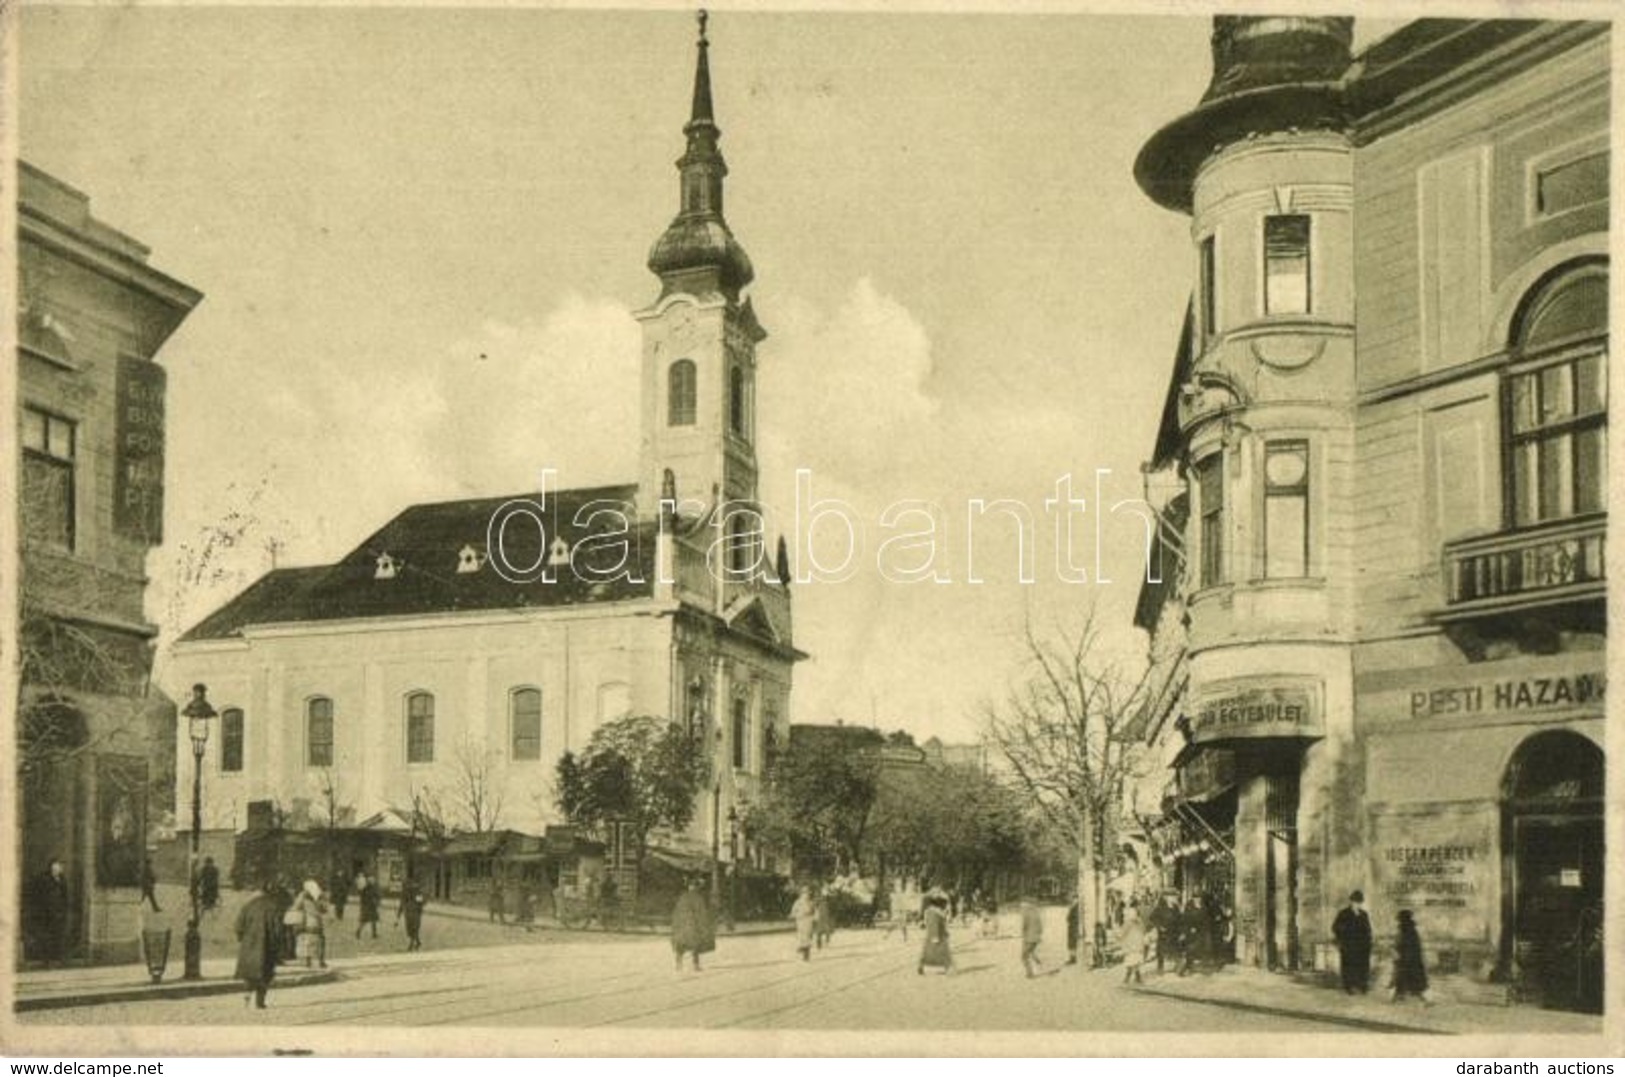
(699, 338)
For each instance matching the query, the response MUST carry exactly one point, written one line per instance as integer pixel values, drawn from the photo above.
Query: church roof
(437, 562)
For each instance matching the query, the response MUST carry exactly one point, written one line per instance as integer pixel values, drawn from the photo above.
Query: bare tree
(1063, 727)
(478, 789)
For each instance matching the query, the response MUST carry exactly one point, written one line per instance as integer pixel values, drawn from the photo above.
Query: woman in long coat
(259, 933)
(1410, 970)
(371, 898)
(805, 913)
(693, 931)
(312, 910)
(936, 952)
(1132, 940)
(823, 920)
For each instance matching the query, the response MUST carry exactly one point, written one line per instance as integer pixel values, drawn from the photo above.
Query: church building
(482, 639)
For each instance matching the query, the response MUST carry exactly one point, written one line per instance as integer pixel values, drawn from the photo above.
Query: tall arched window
(319, 732)
(525, 724)
(741, 732)
(231, 740)
(738, 402)
(680, 393)
(420, 728)
(1557, 398)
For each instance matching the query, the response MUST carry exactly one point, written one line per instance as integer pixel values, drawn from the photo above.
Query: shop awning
(688, 863)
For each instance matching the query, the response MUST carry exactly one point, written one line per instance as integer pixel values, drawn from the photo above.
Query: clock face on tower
(682, 324)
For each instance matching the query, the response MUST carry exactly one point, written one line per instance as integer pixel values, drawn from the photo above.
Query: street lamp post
(733, 865)
(198, 714)
(716, 841)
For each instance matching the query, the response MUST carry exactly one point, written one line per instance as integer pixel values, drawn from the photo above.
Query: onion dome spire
(697, 252)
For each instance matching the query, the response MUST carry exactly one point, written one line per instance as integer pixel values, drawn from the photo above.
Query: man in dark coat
(259, 931)
(1352, 930)
(1165, 921)
(338, 892)
(693, 931)
(208, 885)
(149, 885)
(50, 910)
(1072, 914)
(370, 897)
(1195, 929)
(411, 908)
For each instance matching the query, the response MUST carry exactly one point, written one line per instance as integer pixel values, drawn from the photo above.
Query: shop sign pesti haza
(1511, 696)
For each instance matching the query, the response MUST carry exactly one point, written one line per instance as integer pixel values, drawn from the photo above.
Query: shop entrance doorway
(1552, 842)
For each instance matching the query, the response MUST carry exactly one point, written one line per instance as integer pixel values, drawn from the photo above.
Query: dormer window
(469, 560)
(558, 552)
(387, 568)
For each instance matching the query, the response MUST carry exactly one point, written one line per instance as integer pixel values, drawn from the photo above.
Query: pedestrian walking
(1032, 933)
(1195, 936)
(311, 945)
(823, 920)
(411, 910)
(496, 904)
(1410, 968)
(288, 940)
(1352, 930)
(805, 914)
(369, 897)
(693, 931)
(50, 912)
(149, 885)
(338, 893)
(208, 885)
(1165, 922)
(259, 931)
(936, 951)
(1131, 939)
(525, 915)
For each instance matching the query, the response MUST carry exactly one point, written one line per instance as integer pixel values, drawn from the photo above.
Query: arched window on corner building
(1557, 398)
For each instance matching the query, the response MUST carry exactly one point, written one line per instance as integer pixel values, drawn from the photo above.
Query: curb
(176, 990)
(1364, 1023)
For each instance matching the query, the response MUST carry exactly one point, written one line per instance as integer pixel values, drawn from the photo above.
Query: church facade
(479, 640)
(1383, 655)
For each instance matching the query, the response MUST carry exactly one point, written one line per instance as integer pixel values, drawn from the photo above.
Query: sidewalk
(50, 989)
(1456, 1009)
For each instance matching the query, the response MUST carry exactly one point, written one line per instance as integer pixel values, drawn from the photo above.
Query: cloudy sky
(421, 234)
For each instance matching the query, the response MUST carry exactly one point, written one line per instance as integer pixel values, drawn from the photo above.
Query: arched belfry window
(680, 393)
(1557, 398)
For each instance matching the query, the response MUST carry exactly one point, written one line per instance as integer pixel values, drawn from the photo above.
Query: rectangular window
(47, 506)
(1286, 509)
(741, 733)
(1286, 264)
(1210, 489)
(231, 740)
(1209, 299)
(1558, 448)
(1572, 184)
(526, 704)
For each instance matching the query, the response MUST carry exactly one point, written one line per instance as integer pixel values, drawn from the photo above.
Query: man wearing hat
(1352, 930)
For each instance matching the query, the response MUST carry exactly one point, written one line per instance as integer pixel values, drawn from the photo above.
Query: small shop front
(1247, 740)
(1500, 855)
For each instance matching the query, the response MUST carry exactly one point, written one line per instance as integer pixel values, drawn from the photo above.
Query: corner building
(1388, 419)
(412, 662)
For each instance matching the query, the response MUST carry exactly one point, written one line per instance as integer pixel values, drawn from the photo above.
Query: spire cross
(701, 17)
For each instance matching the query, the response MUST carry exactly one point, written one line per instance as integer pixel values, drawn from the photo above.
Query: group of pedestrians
(1352, 930)
(279, 925)
(814, 918)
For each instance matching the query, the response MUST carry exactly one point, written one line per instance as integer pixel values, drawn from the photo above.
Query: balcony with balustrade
(1554, 564)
